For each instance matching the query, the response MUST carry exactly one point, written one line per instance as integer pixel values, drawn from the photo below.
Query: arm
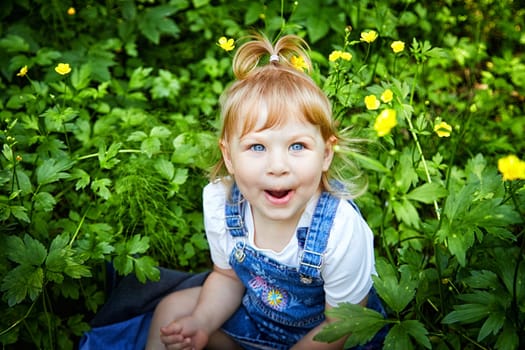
(220, 296)
(308, 342)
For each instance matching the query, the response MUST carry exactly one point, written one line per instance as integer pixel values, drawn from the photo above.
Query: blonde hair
(267, 80)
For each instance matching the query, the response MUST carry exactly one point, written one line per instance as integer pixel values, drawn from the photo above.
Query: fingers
(176, 344)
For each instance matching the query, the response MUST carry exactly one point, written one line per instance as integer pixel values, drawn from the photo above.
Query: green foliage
(106, 163)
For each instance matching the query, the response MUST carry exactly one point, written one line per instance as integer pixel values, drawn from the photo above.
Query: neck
(273, 234)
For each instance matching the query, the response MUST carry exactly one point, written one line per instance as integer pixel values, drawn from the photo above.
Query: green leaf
(22, 281)
(82, 176)
(165, 168)
(80, 78)
(52, 170)
(160, 132)
(369, 163)
(398, 338)
(44, 201)
(100, 187)
(492, 324)
(107, 158)
(146, 269)
(154, 21)
(508, 339)
(139, 77)
(406, 212)
(150, 146)
(137, 245)
(355, 320)
(13, 43)
(467, 313)
(137, 136)
(76, 270)
(427, 193)
(25, 252)
(123, 264)
(20, 213)
(397, 294)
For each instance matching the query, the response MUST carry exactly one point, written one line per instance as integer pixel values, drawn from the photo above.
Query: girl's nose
(278, 164)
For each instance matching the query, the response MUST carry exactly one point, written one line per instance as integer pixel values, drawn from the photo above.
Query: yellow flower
(22, 72)
(226, 44)
(371, 102)
(338, 54)
(369, 36)
(385, 121)
(299, 63)
(347, 56)
(512, 168)
(442, 129)
(63, 68)
(387, 96)
(334, 56)
(397, 46)
(71, 11)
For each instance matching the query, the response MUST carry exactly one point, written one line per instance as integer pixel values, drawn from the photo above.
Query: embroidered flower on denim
(275, 299)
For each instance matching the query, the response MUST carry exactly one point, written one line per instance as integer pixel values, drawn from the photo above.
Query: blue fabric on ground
(126, 335)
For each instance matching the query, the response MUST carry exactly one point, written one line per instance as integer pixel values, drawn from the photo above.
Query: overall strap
(233, 213)
(317, 237)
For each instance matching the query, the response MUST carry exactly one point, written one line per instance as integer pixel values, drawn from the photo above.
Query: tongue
(278, 194)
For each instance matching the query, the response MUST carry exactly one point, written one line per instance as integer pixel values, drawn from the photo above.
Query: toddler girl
(285, 243)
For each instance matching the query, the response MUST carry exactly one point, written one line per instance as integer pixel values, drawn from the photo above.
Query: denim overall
(281, 303)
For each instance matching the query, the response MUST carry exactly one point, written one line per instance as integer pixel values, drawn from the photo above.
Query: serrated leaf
(52, 170)
(427, 193)
(397, 294)
(20, 213)
(406, 212)
(22, 281)
(355, 320)
(80, 78)
(123, 264)
(399, 336)
(44, 201)
(492, 324)
(139, 77)
(160, 132)
(100, 187)
(370, 163)
(165, 168)
(150, 146)
(28, 251)
(146, 269)
(82, 176)
(137, 245)
(107, 158)
(137, 136)
(467, 313)
(76, 270)
(481, 279)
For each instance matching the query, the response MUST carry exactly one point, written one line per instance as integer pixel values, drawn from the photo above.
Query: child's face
(278, 170)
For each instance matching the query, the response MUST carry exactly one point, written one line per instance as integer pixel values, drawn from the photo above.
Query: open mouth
(278, 194)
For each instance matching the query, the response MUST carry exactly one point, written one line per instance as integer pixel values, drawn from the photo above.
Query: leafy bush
(108, 132)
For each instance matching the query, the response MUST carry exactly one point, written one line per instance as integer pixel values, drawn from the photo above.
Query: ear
(329, 152)
(226, 157)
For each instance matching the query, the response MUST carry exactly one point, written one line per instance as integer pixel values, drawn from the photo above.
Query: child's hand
(184, 334)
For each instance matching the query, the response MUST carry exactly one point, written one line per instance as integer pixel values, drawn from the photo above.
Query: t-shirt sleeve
(214, 196)
(349, 258)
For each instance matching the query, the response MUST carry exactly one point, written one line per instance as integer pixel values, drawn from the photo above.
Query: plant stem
(416, 140)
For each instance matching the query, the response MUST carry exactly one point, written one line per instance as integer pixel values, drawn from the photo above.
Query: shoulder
(349, 222)
(213, 202)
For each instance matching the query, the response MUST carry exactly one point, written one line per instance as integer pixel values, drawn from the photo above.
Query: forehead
(261, 116)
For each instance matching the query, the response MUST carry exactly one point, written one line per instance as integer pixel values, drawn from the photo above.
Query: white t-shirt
(348, 261)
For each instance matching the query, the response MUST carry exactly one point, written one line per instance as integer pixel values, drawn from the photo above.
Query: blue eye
(257, 148)
(297, 147)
